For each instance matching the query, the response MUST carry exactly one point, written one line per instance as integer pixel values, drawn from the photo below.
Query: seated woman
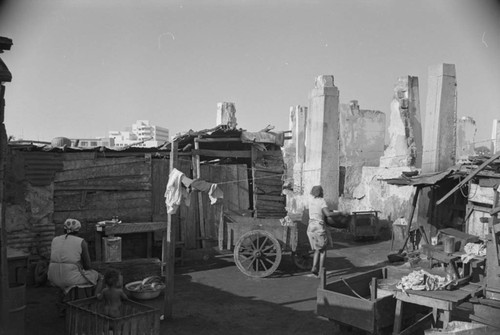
(70, 262)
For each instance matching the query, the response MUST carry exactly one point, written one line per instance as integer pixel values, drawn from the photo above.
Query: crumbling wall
(362, 135)
(466, 133)
(405, 130)
(372, 193)
(362, 140)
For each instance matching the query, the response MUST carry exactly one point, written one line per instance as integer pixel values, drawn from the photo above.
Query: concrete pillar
(322, 140)
(405, 130)
(297, 148)
(440, 135)
(226, 114)
(362, 135)
(440, 119)
(466, 134)
(495, 137)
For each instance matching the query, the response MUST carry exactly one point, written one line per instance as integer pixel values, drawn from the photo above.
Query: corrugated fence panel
(39, 236)
(40, 167)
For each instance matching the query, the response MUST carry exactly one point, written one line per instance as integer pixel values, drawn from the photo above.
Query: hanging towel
(173, 193)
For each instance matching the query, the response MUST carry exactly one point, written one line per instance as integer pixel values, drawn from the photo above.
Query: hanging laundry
(175, 191)
(214, 192)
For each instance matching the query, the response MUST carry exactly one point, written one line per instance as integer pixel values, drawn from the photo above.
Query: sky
(84, 67)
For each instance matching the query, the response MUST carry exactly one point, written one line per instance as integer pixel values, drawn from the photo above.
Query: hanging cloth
(174, 191)
(214, 192)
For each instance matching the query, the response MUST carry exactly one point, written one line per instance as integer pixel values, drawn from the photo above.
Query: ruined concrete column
(466, 134)
(295, 151)
(322, 140)
(495, 137)
(440, 134)
(405, 130)
(226, 114)
(440, 119)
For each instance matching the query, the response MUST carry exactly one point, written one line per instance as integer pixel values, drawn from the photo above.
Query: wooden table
(111, 229)
(441, 302)
(452, 259)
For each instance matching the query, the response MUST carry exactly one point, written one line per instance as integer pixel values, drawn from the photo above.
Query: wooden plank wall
(233, 181)
(95, 189)
(268, 170)
(187, 216)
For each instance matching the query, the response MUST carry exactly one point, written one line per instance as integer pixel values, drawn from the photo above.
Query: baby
(112, 294)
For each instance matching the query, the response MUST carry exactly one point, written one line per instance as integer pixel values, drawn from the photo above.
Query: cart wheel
(257, 253)
(303, 259)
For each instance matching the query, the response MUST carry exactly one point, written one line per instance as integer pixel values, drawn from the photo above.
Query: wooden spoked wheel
(257, 253)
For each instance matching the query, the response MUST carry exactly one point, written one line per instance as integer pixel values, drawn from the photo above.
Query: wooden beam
(4, 275)
(469, 177)
(140, 187)
(220, 139)
(168, 249)
(197, 174)
(222, 153)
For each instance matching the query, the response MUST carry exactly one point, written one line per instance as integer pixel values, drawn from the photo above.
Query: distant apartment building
(141, 134)
(92, 142)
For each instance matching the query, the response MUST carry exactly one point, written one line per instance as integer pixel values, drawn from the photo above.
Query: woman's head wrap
(72, 225)
(317, 191)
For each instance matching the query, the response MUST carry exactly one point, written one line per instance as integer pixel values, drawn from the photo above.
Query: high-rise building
(141, 134)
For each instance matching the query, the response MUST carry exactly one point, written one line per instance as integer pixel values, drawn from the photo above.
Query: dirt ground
(214, 297)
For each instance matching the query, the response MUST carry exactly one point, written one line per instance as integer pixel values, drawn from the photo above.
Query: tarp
(263, 137)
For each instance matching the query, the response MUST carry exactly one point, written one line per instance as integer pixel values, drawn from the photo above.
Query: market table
(436, 253)
(441, 302)
(112, 229)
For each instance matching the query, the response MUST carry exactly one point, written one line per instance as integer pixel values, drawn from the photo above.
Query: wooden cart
(259, 243)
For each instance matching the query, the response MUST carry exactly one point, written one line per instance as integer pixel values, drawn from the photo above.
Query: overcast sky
(82, 68)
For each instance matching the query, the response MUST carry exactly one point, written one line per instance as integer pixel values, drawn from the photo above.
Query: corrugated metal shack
(47, 185)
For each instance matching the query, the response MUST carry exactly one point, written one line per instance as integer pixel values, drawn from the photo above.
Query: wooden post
(168, 249)
(373, 295)
(4, 276)
(197, 174)
(410, 217)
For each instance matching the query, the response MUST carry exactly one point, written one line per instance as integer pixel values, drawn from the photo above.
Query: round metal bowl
(142, 294)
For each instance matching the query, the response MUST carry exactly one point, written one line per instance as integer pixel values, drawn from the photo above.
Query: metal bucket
(17, 306)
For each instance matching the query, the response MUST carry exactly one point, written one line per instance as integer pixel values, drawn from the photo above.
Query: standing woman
(70, 261)
(316, 229)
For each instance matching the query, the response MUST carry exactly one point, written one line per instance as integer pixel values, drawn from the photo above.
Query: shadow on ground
(214, 297)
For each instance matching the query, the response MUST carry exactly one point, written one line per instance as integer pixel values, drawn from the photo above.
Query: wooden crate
(337, 301)
(84, 317)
